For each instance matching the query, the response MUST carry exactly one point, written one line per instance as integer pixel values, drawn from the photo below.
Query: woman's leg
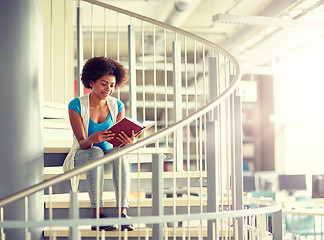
(123, 186)
(125, 179)
(122, 166)
(87, 155)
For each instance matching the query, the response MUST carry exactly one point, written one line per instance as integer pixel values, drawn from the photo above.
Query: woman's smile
(104, 86)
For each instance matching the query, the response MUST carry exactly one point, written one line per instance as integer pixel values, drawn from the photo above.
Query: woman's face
(104, 86)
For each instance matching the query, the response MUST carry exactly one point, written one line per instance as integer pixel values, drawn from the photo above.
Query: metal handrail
(270, 208)
(166, 26)
(308, 211)
(295, 225)
(162, 133)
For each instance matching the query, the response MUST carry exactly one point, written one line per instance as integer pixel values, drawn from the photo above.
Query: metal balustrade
(189, 86)
(304, 223)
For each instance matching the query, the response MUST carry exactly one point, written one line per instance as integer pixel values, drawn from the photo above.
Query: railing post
(213, 90)
(238, 170)
(74, 215)
(277, 225)
(177, 100)
(157, 194)
(132, 72)
(212, 130)
(212, 170)
(79, 49)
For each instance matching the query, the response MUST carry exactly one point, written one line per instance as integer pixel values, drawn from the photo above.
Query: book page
(148, 124)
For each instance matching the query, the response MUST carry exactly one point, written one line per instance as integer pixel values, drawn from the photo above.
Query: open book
(127, 125)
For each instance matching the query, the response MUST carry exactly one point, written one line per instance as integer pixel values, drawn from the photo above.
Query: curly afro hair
(97, 67)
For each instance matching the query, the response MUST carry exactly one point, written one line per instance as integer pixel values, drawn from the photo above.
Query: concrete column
(21, 147)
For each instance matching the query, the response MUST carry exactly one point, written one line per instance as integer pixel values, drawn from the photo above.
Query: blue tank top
(96, 127)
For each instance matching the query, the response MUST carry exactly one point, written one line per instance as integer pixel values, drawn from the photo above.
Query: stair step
(65, 146)
(50, 172)
(57, 146)
(141, 231)
(63, 200)
(55, 110)
(57, 123)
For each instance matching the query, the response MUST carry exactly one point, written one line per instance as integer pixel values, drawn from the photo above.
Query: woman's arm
(120, 115)
(78, 130)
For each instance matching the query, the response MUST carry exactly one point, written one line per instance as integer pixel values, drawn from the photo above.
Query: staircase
(195, 149)
(140, 201)
(57, 144)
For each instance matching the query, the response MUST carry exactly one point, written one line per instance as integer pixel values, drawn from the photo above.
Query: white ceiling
(253, 46)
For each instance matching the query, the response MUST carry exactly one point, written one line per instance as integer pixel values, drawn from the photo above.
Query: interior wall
(58, 51)
(265, 141)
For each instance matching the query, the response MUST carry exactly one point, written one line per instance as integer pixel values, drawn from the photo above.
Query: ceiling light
(265, 21)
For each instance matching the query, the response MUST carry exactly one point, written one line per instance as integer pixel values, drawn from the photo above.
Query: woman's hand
(101, 136)
(126, 140)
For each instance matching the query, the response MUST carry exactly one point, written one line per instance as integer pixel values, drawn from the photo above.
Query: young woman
(90, 117)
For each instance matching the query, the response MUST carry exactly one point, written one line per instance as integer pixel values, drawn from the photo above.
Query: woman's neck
(96, 102)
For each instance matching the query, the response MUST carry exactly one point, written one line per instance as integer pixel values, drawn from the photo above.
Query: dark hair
(97, 67)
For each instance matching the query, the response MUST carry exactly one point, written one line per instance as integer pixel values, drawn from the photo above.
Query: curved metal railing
(304, 222)
(224, 111)
(164, 132)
